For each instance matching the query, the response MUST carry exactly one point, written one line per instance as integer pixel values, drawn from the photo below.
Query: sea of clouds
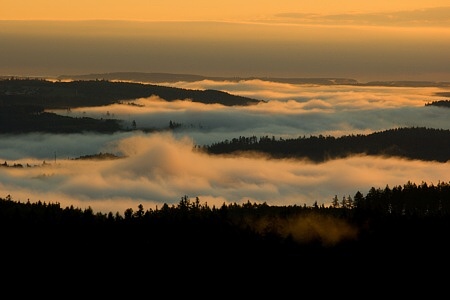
(162, 166)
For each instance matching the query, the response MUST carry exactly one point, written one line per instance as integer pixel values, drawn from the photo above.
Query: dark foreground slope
(402, 223)
(392, 240)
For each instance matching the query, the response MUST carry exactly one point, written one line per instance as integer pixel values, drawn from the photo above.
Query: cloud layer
(159, 168)
(291, 111)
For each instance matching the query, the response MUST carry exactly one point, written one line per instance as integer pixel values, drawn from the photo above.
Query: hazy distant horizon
(172, 79)
(367, 53)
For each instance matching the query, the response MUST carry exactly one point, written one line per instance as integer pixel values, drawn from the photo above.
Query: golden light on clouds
(351, 39)
(159, 168)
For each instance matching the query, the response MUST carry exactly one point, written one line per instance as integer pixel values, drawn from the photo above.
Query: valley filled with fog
(158, 166)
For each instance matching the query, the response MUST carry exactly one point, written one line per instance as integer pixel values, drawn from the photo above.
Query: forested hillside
(409, 222)
(413, 143)
(16, 119)
(23, 103)
(83, 93)
(441, 103)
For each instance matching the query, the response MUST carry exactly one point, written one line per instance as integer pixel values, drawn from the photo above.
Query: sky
(366, 41)
(160, 168)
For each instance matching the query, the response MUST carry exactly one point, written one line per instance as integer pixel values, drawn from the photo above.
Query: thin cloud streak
(426, 17)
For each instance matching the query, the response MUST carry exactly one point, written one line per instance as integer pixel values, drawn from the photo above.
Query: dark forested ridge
(83, 93)
(23, 103)
(442, 103)
(413, 143)
(28, 118)
(401, 223)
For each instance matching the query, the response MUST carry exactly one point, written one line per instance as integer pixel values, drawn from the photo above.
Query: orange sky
(236, 10)
(364, 40)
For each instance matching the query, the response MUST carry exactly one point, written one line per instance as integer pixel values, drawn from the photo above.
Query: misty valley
(318, 168)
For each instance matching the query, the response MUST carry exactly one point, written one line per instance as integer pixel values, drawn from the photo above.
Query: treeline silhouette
(83, 93)
(16, 119)
(409, 142)
(402, 222)
(442, 103)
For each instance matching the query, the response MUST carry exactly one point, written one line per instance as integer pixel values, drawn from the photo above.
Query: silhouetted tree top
(406, 222)
(441, 103)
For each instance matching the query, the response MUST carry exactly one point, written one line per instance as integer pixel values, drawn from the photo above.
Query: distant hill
(160, 77)
(174, 77)
(411, 83)
(441, 103)
(413, 143)
(23, 102)
(170, 78)
(82, 93)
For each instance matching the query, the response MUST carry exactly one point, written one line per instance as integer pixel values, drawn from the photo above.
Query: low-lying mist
(160, 168)
(290, 111)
